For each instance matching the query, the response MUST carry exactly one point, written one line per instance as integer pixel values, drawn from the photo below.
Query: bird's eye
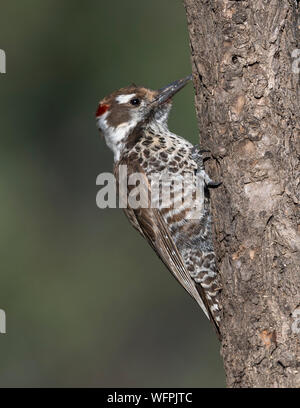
(135, 101)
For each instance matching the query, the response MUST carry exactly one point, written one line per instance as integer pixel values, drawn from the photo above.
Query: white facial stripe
(101, 121)
(125, 98)
(115, 137)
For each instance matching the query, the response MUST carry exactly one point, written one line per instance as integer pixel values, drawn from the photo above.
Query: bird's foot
(213, 184)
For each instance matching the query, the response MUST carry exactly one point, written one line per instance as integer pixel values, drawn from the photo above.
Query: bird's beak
(166, 93)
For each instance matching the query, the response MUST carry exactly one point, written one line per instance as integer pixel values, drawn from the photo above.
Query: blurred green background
(87, 301)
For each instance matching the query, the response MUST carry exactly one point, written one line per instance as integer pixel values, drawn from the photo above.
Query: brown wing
(156, 231)
(133, 220)
(151, 224)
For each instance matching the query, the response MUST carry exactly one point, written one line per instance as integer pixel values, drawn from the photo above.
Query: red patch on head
(102, 108)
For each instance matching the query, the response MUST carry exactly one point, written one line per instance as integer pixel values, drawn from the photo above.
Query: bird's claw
(213, 184)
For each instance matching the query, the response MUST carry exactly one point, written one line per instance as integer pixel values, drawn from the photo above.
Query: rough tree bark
(248, 107)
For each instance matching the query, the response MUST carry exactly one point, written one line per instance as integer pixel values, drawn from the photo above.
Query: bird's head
(122, 111)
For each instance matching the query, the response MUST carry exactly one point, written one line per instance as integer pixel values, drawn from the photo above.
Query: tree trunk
(246, 74)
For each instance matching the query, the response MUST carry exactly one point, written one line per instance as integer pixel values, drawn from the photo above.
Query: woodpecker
(133, 121)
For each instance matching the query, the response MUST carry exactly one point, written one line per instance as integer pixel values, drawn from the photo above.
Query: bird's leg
(212, 184)
(198, 158)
